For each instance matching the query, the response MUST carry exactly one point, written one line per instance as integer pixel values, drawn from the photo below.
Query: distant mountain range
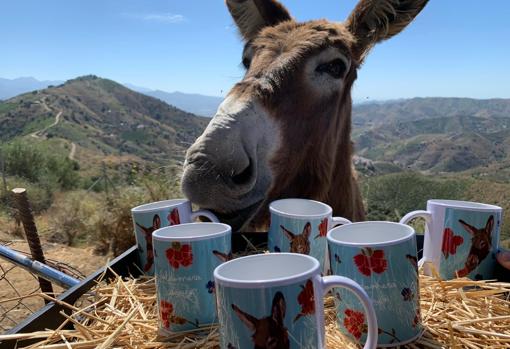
(435, 134)
(103, 119)
(192, 103)
(13, 87)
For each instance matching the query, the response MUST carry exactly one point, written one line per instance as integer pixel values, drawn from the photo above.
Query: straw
(458, 313)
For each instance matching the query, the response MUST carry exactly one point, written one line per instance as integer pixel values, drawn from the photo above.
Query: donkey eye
(335, 68)
(246, 62)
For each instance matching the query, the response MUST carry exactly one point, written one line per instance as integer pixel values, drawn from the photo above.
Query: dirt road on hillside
(39, 134)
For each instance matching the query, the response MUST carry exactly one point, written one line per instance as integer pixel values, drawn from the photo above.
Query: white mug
(461, 238)
(301, 226)
(150, 217)
(275, 300)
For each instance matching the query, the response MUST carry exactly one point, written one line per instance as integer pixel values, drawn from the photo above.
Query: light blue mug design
(382, 258)
(275, 300)
(150, 217)
(301, 226)
(185, 258)
(461, 238)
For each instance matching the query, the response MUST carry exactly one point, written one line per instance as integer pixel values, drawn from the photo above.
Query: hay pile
(122, 314)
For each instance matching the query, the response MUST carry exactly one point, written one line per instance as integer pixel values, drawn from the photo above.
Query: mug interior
(370, 233)
(154, 206)
(464, 204)
(300, 208)
(265, 269)
(191, 231)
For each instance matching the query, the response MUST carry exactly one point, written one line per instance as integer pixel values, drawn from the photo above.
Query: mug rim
(462, 204)
(410, 235)
(272, 209)
(168, 233)
(312, 271)
(158, 205)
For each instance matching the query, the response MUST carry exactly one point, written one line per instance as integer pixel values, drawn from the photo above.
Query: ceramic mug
(150, 217)
(461, 238)
(185, 258)
(382, 258)
(275, 300)
(301, 226)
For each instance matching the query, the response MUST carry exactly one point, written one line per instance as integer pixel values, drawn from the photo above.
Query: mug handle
(336, 221)
(328, 282)
(206, 214)
(428, 220)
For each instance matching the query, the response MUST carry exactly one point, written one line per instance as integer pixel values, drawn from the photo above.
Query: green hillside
(435, 134)
(102, 119)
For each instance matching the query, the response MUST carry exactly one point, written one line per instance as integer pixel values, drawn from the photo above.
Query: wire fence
(20, 291)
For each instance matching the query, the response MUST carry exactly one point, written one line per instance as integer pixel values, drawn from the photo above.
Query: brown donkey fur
(298, 80)
(268, 332)
(481, 243)
(299, 243)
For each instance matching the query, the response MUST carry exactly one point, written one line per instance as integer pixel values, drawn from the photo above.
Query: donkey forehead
(302, 38)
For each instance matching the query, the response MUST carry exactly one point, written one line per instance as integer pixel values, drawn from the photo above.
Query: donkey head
(481, 238)
(284, 130)
(299, 243)
(268, 332)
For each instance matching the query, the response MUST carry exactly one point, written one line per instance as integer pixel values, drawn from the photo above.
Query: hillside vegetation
(436, 134)
(55, 142)
(102, 118)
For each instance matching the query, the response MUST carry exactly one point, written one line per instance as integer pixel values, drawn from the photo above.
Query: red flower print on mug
(306, 300)
(323, 228)
(179, 255)
(450, 243)
(165, 310)
(173, 217)
(354, 322)
(370, 260)
(166, 313)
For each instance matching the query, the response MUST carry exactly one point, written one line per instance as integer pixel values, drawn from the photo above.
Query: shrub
(70, 218)
(391, 196)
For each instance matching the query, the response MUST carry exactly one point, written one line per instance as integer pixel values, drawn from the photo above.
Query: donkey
(268, 332)
(147, 231)
(285, 129)
(481, 243)
(299, 243)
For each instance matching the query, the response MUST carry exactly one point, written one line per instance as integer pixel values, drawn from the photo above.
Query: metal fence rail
(24, 276)
(20, 291)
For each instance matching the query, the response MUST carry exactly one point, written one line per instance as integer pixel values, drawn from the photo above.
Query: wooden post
(4, 175)
(22, 204)
(105, 178)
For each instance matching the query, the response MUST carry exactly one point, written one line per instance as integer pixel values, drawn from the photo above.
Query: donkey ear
(290, 235)
(249, 320)
(307, 230)
(373, 21)
(469, 228)
(253, 15)
(220, 255)
(489, 225)
(278, 308)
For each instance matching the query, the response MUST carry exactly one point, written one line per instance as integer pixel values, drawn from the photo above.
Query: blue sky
(455, 47)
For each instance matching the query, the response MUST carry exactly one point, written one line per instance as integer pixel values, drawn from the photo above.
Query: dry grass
(456, 314)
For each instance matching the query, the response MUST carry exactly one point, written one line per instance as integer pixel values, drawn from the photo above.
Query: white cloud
(165, 17)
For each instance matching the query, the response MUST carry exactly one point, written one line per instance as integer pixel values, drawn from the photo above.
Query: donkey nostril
(243, 177)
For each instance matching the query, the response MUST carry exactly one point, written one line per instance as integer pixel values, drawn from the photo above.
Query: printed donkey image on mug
(299, 243)
(268, 332)
(147, 231)
(481, 243)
